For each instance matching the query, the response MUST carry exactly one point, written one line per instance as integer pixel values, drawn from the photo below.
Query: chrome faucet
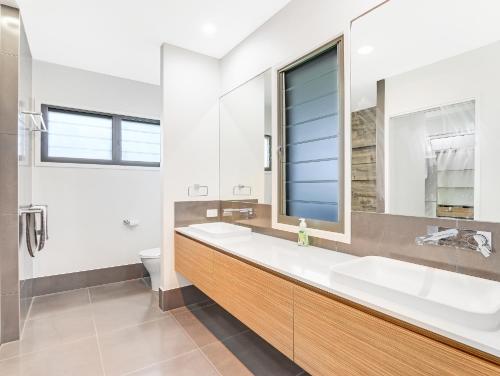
(483, 244)
(435, 237)
(479, 241)
(247, 213)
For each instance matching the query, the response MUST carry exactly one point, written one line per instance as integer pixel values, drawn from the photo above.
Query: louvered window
(77, 136)
(311, 143)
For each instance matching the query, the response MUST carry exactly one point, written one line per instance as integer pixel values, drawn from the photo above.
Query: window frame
(282, 217)
(116, 146)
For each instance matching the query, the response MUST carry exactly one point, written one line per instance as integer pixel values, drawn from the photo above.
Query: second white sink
(221, 230)
(465, 300)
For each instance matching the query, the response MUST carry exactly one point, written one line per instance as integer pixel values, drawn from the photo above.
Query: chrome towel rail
(33, 115)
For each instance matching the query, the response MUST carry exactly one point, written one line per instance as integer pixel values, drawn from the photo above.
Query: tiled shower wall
(25, 171)
(385, 235)
(9, 274)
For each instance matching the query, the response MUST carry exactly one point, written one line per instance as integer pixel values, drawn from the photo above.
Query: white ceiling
(407, 34)
(123, 37)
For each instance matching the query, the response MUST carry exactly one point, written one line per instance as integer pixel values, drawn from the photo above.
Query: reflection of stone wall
(364, 188)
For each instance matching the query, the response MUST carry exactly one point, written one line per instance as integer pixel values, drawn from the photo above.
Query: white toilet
(151, 260)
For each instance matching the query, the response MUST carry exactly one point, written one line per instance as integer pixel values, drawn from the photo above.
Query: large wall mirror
(245, 142)
(425, 109)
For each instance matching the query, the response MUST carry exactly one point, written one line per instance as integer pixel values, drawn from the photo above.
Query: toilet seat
(150, 253)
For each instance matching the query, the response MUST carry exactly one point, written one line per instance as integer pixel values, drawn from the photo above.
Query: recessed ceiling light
(365, 50)
(209, 28)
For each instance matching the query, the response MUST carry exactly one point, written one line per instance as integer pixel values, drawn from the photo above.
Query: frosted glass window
(310, 141)
(79, 136)
(140, 141)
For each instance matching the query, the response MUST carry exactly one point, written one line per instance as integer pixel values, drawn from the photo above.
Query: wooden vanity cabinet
(332, 338)
(321, 333)
(259, 299)
(195, 261)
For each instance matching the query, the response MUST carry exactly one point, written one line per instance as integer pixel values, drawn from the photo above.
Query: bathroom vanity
(286, 294)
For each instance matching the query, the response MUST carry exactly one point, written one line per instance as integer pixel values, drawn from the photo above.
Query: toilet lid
(150, 253)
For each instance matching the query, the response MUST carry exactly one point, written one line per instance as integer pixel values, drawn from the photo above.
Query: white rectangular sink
(462, 299)
(221, 230)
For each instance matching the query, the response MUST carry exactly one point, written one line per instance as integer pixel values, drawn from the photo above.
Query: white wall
(190, 89)
(454, 80)
(192, 83)
(87, 204)
(242, 129)
(298, 27)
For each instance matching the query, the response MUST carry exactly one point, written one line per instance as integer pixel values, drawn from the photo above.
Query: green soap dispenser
(303, 236)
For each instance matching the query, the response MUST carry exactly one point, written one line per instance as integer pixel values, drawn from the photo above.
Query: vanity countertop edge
(311, 266)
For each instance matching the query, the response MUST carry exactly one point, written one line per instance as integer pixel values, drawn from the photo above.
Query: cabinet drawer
(194, 261)
(332, 338)
(263, 301)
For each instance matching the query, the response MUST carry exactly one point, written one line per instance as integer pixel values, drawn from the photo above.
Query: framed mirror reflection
(424, 110)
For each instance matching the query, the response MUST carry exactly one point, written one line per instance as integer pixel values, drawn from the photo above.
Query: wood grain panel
(259, 299)
(363, 155)
(364, 197)
(194, 261)
(332, 338)
(363, 128)
(455, 212)
(364, 172)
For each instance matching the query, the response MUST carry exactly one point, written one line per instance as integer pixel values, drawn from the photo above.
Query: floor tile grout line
(27, 318)
(218, 340)
(184, 331)
(105, 333)
(59, 292)
(86, 287)
(160, 362)
(48, 348)
(55, 314)
(101, 360)
(228, 338)
(71, 342)
(44, 317)
(196, 345)
(209, 361)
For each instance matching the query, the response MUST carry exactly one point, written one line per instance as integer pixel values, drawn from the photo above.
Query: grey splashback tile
(392, 236)
(189, 212)
(473, 263)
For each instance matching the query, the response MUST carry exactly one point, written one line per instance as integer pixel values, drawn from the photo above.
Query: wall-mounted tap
(246, 213)
(435, 237)
(479, 241)
(483, 244)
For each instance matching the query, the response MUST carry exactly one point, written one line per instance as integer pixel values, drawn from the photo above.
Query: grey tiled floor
(118, 329)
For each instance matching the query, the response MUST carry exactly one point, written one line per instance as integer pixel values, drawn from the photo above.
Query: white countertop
(312, 265)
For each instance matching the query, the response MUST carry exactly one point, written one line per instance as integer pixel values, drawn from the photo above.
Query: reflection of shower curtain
(451, 143)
